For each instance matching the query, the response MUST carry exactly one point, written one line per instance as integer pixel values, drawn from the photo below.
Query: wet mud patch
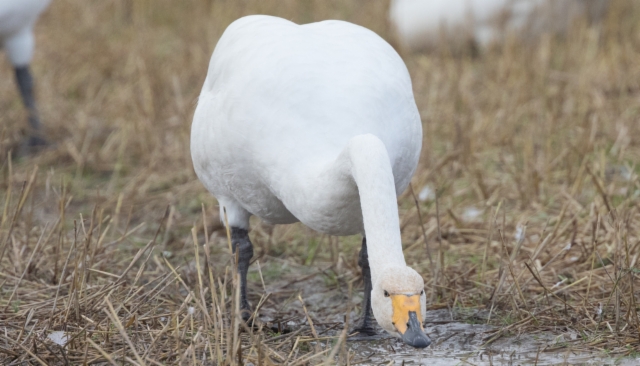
(461, 344)
(459, 337)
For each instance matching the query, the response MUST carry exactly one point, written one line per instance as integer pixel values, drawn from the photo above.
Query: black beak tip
(414, 336)
(416, 339)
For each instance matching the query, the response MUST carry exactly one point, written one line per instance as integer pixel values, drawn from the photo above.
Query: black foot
(367, 334)
(249, 321)
(31, 145)
(37, 142)
(367, 331)
(246, 315)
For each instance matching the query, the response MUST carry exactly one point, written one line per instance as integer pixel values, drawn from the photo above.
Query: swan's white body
(419, 23)
(314, 123)
(279, 108)
(17, 18)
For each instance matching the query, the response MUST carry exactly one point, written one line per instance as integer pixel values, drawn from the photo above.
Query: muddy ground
(459, 336)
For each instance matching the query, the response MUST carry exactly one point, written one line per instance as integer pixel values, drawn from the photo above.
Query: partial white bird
(315, 123)
(17, 18)
(421, 23)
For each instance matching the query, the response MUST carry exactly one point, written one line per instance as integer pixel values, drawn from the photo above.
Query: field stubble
(109, 242)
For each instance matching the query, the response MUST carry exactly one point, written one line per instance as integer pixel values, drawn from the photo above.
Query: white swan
(419, 23)
(315, 123)
(17, 18)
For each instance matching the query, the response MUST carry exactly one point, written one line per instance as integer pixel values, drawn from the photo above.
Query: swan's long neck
(371, 170)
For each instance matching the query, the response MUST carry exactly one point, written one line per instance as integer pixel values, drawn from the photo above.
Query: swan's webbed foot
(36, 142)
(365, 330)
(246, 314)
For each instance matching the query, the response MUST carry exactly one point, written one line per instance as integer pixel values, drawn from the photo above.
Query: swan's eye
(421, 292)
(386, 294)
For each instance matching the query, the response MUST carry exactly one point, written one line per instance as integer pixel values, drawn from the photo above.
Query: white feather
(58, 337)
(426, 194)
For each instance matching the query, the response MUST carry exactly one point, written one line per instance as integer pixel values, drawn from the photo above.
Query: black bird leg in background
(367, 326)
(242, 245)
(25, 84)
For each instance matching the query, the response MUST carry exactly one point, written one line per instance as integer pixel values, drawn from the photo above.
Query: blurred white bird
(421, 23)
(315, 123)
(17, 18)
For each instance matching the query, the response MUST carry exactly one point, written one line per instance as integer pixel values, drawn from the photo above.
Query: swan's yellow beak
(402, 306)
(407, 318)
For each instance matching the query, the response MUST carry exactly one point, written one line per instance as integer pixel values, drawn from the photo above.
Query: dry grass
(532, 149)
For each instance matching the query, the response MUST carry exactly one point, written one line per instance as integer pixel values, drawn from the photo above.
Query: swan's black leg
(242, 245)
(25, 84)
(366, 326)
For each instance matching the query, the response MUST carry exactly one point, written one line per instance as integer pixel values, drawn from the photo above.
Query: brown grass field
(109, 236)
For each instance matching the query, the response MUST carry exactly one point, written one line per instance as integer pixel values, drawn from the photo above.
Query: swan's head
(399, 304)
